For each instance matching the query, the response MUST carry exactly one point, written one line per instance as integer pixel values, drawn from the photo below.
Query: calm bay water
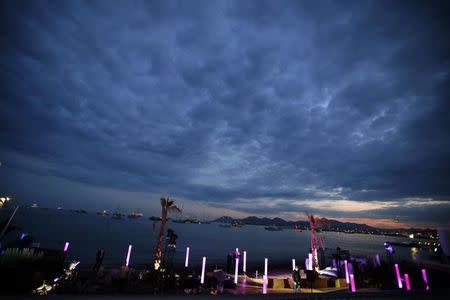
(89, 232)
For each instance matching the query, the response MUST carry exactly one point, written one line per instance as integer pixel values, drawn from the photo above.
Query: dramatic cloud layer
(262, 107)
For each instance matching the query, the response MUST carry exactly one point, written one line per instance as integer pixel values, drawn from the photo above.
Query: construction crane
(316, 225)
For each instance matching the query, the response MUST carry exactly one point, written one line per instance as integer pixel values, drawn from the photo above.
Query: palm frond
(174, 209)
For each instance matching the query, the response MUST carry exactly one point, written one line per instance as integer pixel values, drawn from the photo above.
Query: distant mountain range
(330, 225)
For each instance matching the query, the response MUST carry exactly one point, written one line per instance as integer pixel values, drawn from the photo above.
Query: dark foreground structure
(393, 295)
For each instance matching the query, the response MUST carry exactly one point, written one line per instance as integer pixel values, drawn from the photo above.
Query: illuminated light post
(399, 278)
(347, 279)
(352, 283)
(127, 261)
(425, 279)
(266, 261)
(244, 264)
(66, 247)
(264, 284)
(186, 262)
(236, 269)
(377, 259)
(202, 279)
(407, 283)
(293, 264)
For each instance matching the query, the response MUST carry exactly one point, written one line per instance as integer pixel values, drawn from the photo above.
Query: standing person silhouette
(297, 278)
(99, 259)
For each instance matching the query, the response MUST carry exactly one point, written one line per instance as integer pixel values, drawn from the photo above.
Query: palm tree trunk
(160, 245)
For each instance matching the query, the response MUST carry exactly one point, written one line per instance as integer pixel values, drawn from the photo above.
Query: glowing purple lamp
(310, 261)
(127, 261)
(266, 261)
(407, 283)
(347, 279)
(399, 277)
(293, 264)
(186, 262)
(264, 284)
(352, 283)
(244, 265)
(236, 269)
(66, 247)
(202, 279)
(425, 279)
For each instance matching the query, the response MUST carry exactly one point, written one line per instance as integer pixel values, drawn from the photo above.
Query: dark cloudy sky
(339, 108)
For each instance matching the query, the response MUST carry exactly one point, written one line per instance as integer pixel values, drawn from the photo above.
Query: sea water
(87, 233)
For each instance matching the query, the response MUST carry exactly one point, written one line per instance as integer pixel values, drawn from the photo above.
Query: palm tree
(167, 206)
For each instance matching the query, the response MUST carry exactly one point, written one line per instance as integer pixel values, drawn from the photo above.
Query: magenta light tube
(293, 264)
(244, 265)
(186, 262)
(266, 261)
(347, 279)
(425, 279)
(202, 279)
(408, 285)
(352, 283)
(399, 277)
(66, 247)
(264, 284)
(310, 261)
(236, 269)
(127, 262)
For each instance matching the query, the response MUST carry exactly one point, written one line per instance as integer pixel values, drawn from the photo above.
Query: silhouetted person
(99, 259)
(297, 278)
(229, 262)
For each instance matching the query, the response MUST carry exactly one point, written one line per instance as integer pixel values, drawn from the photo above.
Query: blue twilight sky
(268, 108)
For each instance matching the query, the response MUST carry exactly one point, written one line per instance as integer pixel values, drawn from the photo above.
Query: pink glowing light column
(264, 284)
(266, 261)
(202, 279)
(127, 261)
(407, 283)
(352, 283)
(347, 279)
(310, 261)
(399, 277)
(293, 264)
(236, 270)
(186, 261)
(425, 279)
(244, 264)
(66, 247)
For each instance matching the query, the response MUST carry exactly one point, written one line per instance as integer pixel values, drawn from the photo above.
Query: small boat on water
(237, 224)
(117, 216)
(273, 228)
(135, 215)
(103, 213)
(152, 218)
(296, 227)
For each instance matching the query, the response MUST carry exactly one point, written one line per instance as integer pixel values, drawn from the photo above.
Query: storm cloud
(227, 102)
